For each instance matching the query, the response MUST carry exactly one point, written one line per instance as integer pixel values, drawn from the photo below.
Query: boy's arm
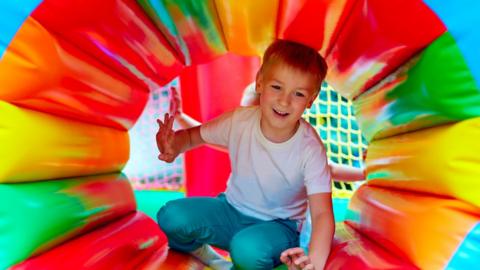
(323, 228)
(187, 122)
(191, 136)
(175, 109)
(346, 173)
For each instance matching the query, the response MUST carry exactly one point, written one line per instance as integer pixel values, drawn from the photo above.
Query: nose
(284, 99)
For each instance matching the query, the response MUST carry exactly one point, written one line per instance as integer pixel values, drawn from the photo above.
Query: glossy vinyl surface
(437, 87)
(352, 250)
(110, 49)
(48, 74)
(205, 97)
(60, 210)
(442, 160)
(249, 25)
(462, 20)
(166, 258)
(12, 16)
(38, 146)
(316, 23)
(377, 37)
(424, 229)
(139, 53)
(195, 26)
(122, 244)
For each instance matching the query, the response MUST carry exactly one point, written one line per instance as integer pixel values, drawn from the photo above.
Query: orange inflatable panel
(424, 229)
(248, 25)
(351, 250)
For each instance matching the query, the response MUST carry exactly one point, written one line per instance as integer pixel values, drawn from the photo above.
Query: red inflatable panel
(170, 259)
(377, 38)
(207, 91)
(313, 22)
(116, 32)
(123, 244)
(44, 73)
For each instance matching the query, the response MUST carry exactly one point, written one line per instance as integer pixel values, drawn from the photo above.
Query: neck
(278, 135)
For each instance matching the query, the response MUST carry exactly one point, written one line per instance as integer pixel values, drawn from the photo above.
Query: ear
(258, 83)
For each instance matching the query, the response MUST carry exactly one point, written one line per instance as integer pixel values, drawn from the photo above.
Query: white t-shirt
(269, 180)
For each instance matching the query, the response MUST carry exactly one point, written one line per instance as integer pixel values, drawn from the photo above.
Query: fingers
(175, 101)
(296, 258)
(167, 157)
(167, 121)
(165, 118)
(160, 124)
(288, 260)
(165, 138)
(170, 122)
(167, 124)
(284, 258)
(302, 261)
(173, 110)
(309, 267)
(294, 251)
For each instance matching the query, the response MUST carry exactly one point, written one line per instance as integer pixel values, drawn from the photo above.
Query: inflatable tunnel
(76, 75)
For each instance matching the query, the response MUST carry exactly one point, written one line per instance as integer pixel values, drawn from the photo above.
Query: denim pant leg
(259, 246)
(191, 222)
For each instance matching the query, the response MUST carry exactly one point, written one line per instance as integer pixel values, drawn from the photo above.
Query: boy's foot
(210, 257)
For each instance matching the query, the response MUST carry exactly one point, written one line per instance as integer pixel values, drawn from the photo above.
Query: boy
(278, 163)
(341, 172)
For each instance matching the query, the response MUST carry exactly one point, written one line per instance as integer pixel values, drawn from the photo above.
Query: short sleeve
(317, 172)
(217, 130)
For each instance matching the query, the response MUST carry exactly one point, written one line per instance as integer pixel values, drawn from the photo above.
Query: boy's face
(284, 94)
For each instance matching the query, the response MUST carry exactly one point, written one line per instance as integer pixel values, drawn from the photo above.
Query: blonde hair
(297, 56)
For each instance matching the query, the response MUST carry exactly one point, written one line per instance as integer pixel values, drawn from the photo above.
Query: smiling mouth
(279, 113)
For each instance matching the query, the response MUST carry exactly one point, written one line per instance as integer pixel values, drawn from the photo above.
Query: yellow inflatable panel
(249, 25)
(37, 146)
(443, 160)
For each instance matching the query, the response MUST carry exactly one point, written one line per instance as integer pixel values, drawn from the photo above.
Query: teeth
(280, 112)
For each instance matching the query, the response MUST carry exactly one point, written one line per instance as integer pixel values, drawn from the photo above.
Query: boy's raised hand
(166, 139)
(296, 259)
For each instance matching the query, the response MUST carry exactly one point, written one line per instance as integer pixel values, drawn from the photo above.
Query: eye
(299, 94)
(276, 87)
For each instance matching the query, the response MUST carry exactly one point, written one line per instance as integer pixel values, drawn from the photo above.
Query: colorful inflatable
(75, 76)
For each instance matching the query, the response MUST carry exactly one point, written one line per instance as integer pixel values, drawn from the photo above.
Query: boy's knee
(246, 256)
(162, 216)
(171, 217)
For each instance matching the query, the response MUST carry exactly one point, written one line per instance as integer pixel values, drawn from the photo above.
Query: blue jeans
(253, 243)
